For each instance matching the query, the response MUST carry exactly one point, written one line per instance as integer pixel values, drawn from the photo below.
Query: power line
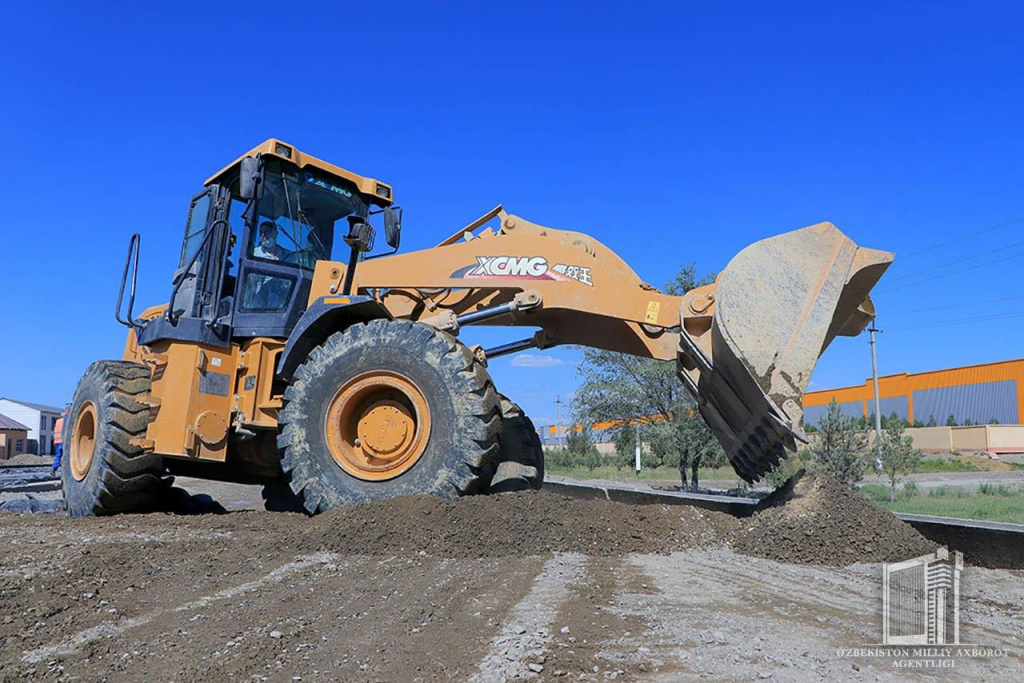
(959, 321)
(954, 262)
(962, 238)
(946, 307)
(952, 272)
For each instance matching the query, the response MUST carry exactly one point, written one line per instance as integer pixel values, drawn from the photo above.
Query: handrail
(133, 255)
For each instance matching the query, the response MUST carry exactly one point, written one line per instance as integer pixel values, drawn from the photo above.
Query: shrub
(899, 457)
(786, 468)
(839, 450)
(987, 489)
(948, 492)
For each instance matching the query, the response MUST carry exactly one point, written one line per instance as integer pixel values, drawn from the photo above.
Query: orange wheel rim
(377, 425)
(83, 441)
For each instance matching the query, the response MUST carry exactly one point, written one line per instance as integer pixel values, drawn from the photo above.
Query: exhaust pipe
(777, 306)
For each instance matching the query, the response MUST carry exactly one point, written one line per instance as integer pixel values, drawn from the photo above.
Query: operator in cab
(267, 246)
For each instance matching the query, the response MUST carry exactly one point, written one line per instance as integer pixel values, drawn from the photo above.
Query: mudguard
(327, 315)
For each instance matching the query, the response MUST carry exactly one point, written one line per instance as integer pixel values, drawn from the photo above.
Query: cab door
(270, 296)
(197, 283)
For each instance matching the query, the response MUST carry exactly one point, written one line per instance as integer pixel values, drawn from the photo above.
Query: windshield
(297, 217)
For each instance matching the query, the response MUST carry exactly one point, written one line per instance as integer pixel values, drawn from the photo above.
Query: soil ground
(517, 585)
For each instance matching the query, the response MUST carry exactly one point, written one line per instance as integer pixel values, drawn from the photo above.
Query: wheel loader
(273, 362)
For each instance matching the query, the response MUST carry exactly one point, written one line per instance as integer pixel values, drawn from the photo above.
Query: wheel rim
(83, 441)
(378, 425)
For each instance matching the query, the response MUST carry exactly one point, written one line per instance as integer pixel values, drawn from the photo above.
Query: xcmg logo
(523, 268)
(509, 266)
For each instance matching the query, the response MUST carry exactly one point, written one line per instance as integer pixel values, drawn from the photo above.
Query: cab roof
(381, 192)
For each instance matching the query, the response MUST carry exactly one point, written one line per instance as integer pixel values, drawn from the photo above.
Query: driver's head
(268, 234)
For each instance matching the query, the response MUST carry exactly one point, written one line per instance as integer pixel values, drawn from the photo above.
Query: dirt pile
(514, 524)
(820, 521)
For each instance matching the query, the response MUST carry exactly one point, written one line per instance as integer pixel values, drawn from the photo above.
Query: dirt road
(376, 596)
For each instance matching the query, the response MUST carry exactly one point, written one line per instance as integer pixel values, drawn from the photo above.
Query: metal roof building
(978, 394)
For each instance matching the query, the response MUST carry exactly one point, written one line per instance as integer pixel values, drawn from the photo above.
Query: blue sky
(672, 132)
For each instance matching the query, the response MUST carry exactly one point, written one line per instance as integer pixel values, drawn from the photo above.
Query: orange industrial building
(978, 394)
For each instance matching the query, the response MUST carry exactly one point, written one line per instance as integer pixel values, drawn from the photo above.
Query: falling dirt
(820, 521)
(514, 524)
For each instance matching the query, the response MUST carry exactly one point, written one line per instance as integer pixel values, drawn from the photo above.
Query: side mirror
(393, 226)
(249, 178)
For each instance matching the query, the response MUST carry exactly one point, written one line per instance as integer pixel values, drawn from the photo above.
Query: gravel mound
(817, 520)
(513, 524)
(23, 459)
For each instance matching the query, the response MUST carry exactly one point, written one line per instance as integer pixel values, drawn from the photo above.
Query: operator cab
(253, 237)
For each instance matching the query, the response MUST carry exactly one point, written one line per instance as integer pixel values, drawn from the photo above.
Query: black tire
(259, 456)
(521, 461)
(121, 477)
(462, 447)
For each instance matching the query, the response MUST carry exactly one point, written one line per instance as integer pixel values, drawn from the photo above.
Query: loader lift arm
(745, 346)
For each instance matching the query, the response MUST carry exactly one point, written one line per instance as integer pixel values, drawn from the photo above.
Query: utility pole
(558, 416)
(636, 453)
(878, 403)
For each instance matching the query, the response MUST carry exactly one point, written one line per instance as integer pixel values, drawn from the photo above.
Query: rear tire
(102, 473)
(279, 497)
(449, 417)
(259, 455)
(521, 465)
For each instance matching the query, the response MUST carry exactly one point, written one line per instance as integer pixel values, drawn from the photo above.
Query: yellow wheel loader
(331, 383)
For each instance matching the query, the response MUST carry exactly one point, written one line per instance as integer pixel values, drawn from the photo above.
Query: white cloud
(526, 360)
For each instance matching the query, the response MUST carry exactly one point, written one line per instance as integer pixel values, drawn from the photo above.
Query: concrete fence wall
(978, 438)
(974, 439)
(1003, 438)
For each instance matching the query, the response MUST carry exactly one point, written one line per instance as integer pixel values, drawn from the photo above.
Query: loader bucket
(778, 305)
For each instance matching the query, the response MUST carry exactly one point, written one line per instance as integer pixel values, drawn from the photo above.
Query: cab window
(298, 216)
(195, 227)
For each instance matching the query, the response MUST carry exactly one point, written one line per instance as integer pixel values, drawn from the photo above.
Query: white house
(39, 419)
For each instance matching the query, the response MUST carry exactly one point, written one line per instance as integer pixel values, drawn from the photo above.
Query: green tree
(839, 450)
(931, 421)
(899, 457)
(644, 393)
(624, 439)
(951, 420)
(581, 448)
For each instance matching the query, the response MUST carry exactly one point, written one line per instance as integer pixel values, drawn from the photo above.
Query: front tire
(385, 409)
(102, 473)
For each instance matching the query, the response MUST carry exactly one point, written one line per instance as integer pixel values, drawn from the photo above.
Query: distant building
(13, 438)
(600, 432)
(40, 420)
(978, 394)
